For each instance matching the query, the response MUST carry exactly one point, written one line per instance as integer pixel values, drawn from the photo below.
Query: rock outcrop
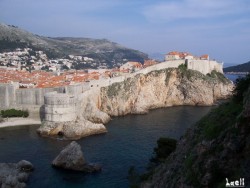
(15, 174)
(136, 95)
(71, 158)
(163, 88)
(71, 130)
(73, 117)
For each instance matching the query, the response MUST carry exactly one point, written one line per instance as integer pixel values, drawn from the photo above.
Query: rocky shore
(71, 130)
(15, 174)
(137, 95)
(9, 122)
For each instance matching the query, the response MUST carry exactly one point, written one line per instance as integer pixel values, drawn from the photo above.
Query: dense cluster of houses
(42, 79)
(38, 78)
(28, 59)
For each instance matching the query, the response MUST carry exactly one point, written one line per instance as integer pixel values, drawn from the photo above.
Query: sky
(220, 28)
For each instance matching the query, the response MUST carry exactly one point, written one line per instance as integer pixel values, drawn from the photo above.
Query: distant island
(238, 69)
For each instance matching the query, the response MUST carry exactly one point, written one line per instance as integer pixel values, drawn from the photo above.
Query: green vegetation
(219, 119)
(222, 126)
(216, 148)
(242, 84)
(14, 113)
(183, 67)
(133, 177)
(219, 76)
(113, 89)
(165, 146)
(104, 52)
(8, 45)
(190, 74)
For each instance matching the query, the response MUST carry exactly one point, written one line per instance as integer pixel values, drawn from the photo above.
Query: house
(178, 55)
(204, 57)
(172, 56)
(148, 63)
(131, 66)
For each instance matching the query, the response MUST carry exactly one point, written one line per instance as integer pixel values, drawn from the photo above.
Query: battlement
(59, 107)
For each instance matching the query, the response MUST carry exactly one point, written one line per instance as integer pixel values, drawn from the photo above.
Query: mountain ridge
(12, 37)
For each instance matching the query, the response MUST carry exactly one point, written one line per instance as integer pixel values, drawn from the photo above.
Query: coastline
(10, 122)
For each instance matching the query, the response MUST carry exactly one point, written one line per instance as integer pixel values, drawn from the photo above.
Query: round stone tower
(59, 107)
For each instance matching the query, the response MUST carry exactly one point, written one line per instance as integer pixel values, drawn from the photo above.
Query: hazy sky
(220, 28)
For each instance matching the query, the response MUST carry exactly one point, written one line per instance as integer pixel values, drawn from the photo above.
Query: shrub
(165, 146)
(133, 177)
(242, 85)
(219, 119)
(182, 67)
(14, 113)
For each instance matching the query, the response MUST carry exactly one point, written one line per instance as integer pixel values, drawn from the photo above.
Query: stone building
(59, 107)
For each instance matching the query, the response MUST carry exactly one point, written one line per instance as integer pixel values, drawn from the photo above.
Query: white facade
(59, 107)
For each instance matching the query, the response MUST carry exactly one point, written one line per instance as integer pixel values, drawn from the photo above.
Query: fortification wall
(92, 84)
(163, 65)
(59, 107)
(7, 95)
(205, 66)
(34, 96)
(33, 99)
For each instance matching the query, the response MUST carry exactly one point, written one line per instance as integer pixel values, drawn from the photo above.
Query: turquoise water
(130, 141)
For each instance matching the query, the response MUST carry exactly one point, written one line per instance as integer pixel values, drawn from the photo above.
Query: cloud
(194, 9)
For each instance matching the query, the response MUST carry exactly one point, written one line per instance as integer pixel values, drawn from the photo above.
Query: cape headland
(82, 109)
(153, 87)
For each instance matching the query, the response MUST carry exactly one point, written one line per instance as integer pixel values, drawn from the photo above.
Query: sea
(130, 141)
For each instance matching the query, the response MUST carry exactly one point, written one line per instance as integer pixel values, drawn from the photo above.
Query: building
(131, 66)
(148, 63)
(178, 55)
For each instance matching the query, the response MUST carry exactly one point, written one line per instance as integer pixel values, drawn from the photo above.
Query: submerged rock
(71, 158)
(15, 174)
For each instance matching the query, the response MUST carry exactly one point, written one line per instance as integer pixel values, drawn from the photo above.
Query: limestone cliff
(137, 94)
(164, 88)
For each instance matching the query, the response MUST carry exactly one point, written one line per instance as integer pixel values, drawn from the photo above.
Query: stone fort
(60, 103)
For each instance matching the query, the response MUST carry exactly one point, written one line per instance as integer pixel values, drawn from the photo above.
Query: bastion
(59, 107)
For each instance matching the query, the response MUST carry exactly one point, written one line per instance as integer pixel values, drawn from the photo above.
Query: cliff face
(167, 87)
(163, 88)
(215, 151)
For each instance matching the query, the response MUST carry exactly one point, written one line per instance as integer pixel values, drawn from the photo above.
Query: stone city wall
(205, 66)
(59, 107)
(7, 95)
(34, 96)
(33, 99)
(159, 66)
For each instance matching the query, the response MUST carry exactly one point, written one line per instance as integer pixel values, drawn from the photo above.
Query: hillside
(245, 67)
(215, 151)
(101, 50)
